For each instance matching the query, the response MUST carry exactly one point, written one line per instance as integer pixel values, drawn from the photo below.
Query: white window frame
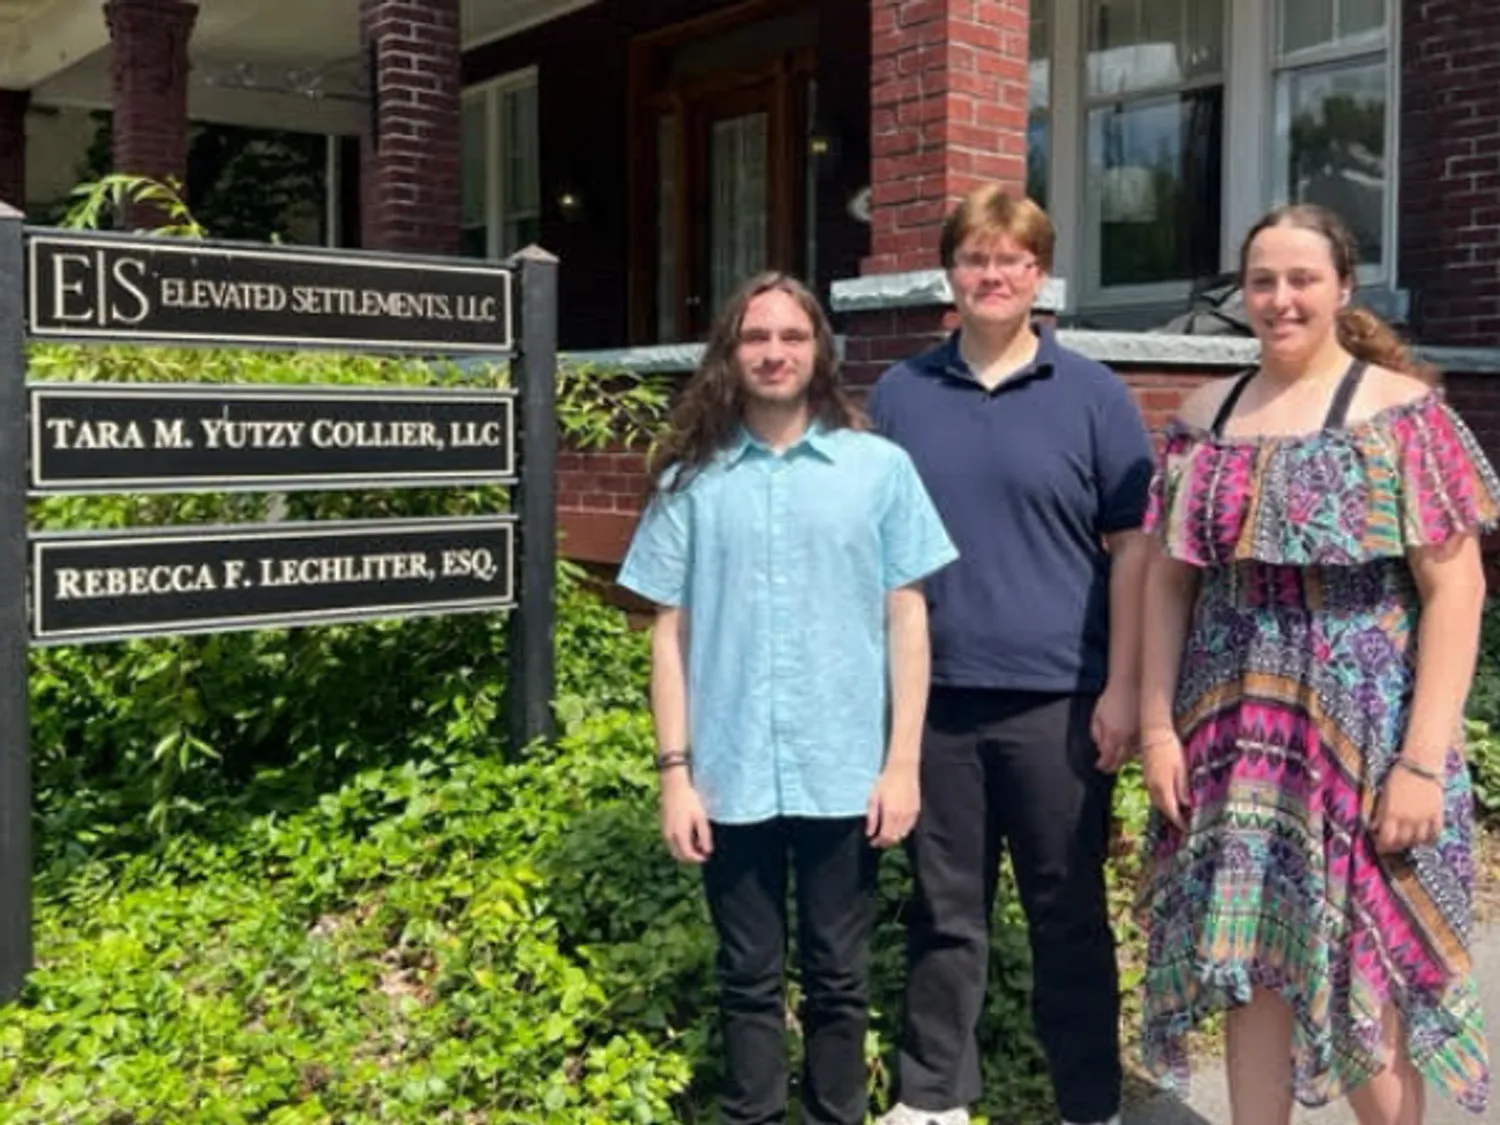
(490, 93)
(1370, 273)
(1094, 293)
(1248, 182)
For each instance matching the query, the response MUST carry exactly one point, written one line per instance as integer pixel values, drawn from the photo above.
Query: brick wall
(410, 169)
(149, 75)
(1449, 250)
(13, 105)
(948, 112)
(600, 495)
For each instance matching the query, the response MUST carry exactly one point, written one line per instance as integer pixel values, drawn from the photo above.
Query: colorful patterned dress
(1293, 695)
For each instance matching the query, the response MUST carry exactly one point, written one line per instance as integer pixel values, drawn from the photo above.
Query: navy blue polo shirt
(1027, 478)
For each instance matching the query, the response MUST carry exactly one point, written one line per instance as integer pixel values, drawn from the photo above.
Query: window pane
(1334, 119)
(1358, 17)
(1153, 44)
(522, 182)
(1324, 23)
(520, 168)
(1154, 177)
(666, 229)
(737, 203)
(472, 180)
(1038, 141)
(1305, 23)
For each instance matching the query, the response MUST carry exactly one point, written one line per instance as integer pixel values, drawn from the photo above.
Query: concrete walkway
(1208, 1101)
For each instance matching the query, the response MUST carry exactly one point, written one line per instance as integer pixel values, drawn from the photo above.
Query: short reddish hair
(989, 212)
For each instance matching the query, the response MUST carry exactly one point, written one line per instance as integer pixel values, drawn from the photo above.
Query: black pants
(1011, 769)
(746, 882)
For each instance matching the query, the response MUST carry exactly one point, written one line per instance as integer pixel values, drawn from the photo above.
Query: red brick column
(13, 105)
(410, 166)
(149, 71)
(1449, 247)
(948, 102)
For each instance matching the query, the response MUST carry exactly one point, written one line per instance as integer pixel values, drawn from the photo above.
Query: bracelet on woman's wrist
(1426, 773)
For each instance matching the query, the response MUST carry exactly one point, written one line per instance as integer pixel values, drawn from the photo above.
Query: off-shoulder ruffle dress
(1295, 686)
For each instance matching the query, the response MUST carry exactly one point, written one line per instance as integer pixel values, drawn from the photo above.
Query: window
(1154, 137)
(1332, 114)
(1038, 143)
(501, 166)
(1189, 118)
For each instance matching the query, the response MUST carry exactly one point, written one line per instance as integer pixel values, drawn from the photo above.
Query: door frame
(787, 75)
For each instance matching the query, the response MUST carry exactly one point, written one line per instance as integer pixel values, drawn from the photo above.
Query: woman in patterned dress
(1312, 617)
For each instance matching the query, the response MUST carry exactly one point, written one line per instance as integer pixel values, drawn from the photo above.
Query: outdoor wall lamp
(570, 206)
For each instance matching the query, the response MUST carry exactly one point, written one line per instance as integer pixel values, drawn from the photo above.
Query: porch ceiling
(283, 63)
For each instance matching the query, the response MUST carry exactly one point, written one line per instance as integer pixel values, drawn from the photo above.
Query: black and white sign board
(90, 587)
(93, 586)
(86, 286)
(122, 437)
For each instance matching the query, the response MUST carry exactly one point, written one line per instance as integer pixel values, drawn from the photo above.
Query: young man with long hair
(1040, 466)
(784, 547)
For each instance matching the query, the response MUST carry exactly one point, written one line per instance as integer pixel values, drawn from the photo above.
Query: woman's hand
(1164, 765)
(1409, 812)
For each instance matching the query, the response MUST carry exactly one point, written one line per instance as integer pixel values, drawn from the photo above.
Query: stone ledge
(653, 359)
(919, 289)
(1160, 349)
(1143, 349)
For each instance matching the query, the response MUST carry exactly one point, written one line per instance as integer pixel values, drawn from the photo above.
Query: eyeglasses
(1012, 265)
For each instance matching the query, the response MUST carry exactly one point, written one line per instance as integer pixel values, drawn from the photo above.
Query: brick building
(665, 148)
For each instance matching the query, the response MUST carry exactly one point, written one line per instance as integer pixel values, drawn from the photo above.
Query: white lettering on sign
(345, 569)
(329, 433)
(469, 435)
(221, 433)
(462, 562)
(239, 296)
(75, 275)
(170, 433)
(75, 433)
(164, 579)
(88, 583)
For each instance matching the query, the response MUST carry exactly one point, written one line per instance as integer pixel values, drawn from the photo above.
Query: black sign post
(534, 374)
(15, 725)
(78, 438)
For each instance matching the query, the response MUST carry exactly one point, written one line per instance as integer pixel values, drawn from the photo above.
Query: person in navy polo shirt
(1040, 466)
(784, 546)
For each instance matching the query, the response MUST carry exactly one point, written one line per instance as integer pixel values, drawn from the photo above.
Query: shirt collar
(818, 439)
(947, 360)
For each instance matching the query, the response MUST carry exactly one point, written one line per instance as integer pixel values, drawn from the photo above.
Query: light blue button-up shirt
(783, 563)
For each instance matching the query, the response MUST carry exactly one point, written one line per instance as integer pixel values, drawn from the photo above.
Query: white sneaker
(900, 1114)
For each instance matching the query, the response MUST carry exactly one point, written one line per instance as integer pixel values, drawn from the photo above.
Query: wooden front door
(719, 189)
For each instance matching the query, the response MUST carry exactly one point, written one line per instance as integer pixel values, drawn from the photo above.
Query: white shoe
(900, 1114)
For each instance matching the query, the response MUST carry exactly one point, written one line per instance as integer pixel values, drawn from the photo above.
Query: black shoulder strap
(1226, 408)
(1338, 409)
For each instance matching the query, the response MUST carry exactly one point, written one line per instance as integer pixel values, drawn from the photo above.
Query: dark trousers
(1011, 769)
(746, 882)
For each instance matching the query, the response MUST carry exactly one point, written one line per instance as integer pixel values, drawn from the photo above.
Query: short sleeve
(1123, 463)
(914, 542)
(657, 564)
(1447, 485)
